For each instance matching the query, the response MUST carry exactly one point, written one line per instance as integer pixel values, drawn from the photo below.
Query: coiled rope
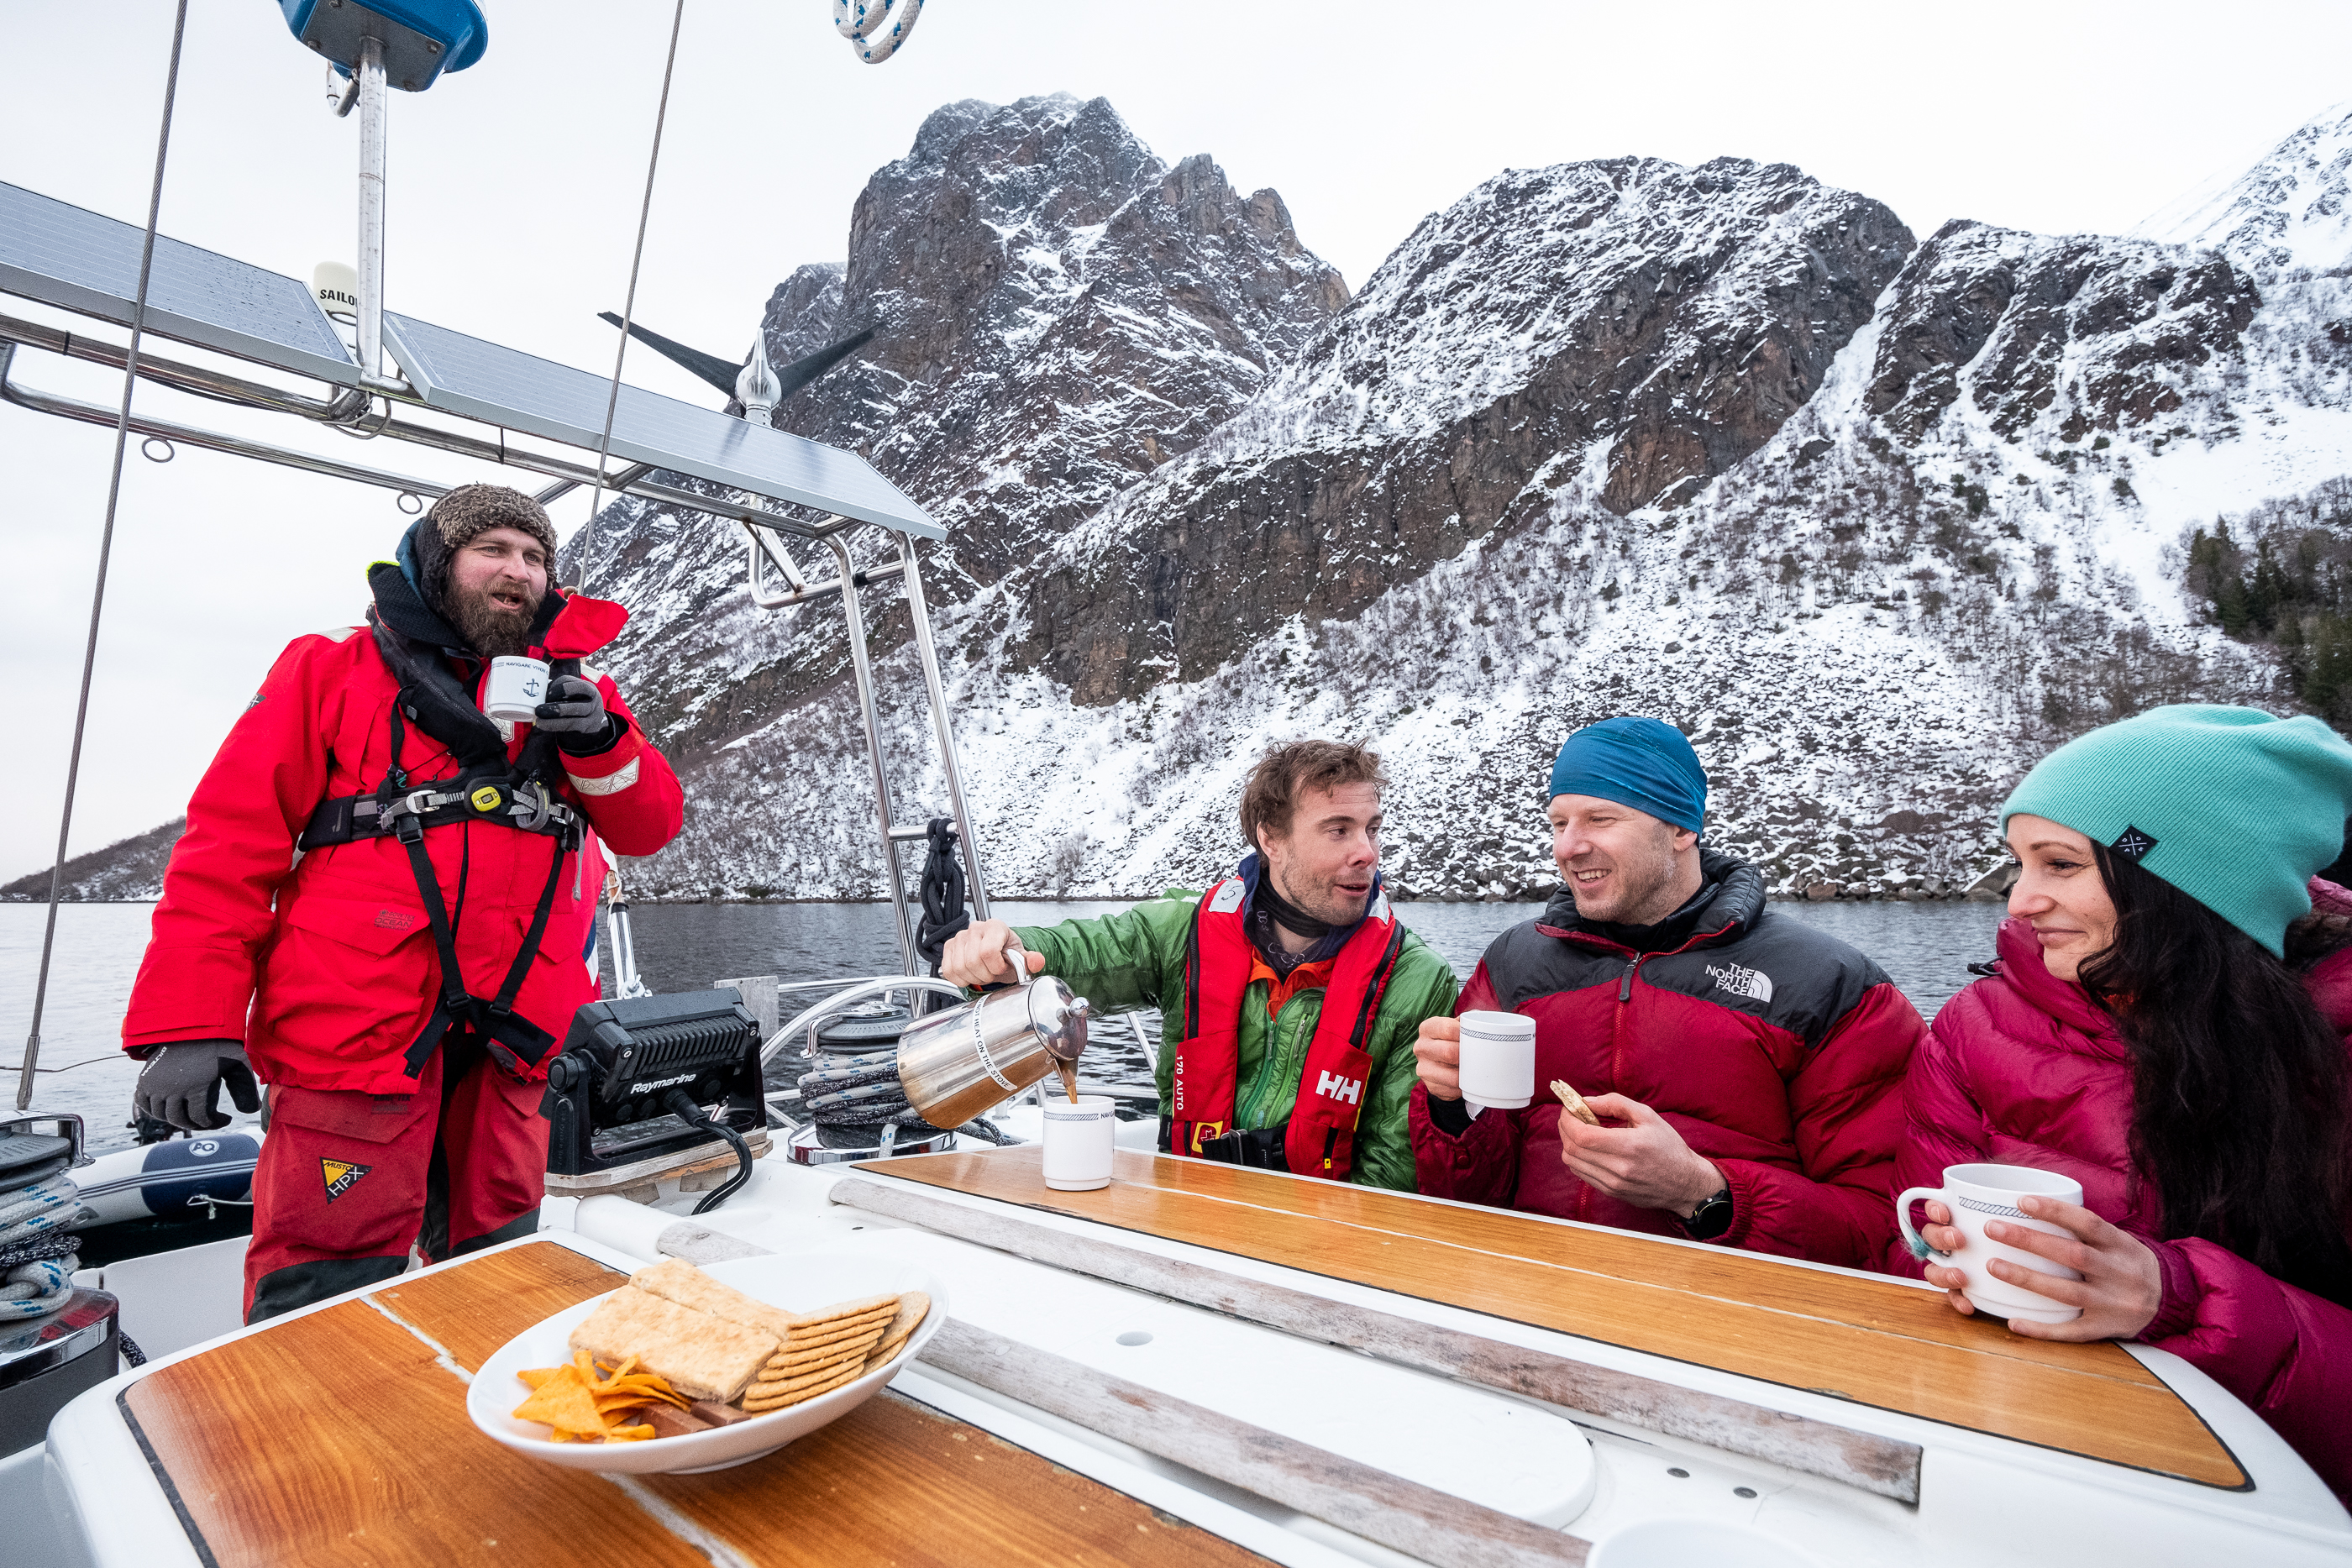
(862, 23)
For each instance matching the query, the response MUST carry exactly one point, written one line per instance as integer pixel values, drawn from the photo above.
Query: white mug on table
(1974, 1194)
(1080, 1137)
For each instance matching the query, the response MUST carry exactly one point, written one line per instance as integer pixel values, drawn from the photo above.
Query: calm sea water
(1926, 948)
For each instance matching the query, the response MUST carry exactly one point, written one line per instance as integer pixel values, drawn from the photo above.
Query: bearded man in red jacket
(384, 902)
(1747, 1068)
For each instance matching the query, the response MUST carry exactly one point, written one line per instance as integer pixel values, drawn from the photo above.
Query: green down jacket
(1136, 959)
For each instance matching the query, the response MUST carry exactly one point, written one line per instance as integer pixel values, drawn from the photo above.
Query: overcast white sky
(515, 188)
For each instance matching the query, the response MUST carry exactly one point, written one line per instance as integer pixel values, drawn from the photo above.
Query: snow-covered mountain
(1876, 520)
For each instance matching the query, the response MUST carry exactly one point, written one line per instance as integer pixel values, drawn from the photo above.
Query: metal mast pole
(105, 553)
(920, 614)
(861, 669)
(371, 125)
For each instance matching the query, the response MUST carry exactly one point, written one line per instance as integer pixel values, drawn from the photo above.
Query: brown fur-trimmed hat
(471, 511)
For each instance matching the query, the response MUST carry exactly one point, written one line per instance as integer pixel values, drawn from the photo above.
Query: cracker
(703, 1357)
(675, 1280)
(1574, 1102)
(762, 1404)
(773, 1374)
(769, 1390)
(832, 1334)
(864, 1306)
(787, 1363)
(913, 1308)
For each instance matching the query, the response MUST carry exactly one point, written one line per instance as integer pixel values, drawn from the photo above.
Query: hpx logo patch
(393, 920)
(1753, 984)
(341, 1177)
(1339, 1088)
(486, 799)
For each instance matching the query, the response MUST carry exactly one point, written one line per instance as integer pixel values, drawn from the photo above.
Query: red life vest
(1321, 1135)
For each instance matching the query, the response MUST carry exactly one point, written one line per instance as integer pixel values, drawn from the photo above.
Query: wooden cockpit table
(339, 1438)
(1869, 1340)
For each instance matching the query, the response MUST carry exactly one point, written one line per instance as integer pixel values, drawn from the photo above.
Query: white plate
(795, 1281)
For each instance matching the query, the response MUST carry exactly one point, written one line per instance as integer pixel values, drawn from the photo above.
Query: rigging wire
(629, 305)
(105, 551)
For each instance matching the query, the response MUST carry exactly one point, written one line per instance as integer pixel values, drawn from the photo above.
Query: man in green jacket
(1254, 1068)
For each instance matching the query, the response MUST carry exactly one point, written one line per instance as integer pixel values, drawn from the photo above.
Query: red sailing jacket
(326, 968)
(1320, 1137)
(2024, 1069)
(1776, 1050)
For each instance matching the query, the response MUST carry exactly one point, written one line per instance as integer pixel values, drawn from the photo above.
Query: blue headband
(1638, 762)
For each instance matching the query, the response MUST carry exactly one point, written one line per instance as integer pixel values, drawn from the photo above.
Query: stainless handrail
(802, 592)
(27, 397)
(841, 1001)
(347, 409)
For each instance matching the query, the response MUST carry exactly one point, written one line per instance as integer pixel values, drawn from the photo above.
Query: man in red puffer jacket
(383, 903)
(1752, 1065)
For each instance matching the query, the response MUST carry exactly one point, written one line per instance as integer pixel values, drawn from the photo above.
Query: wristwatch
(1710, 1218)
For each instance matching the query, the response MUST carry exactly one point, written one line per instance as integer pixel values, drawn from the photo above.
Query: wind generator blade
(710, 368)
(807, 367)
(722, 374)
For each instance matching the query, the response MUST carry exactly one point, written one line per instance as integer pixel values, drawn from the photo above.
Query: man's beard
(493, 632)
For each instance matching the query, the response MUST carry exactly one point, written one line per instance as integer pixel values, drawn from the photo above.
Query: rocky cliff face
(1632, 326)
(1057, 311)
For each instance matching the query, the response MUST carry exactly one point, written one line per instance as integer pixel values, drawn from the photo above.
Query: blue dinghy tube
(421, 38)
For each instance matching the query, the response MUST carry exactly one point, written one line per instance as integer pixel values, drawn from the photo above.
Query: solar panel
(77, 260)
(484, 381)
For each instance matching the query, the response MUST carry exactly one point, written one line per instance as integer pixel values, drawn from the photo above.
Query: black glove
(574, 714)
(182, 1084)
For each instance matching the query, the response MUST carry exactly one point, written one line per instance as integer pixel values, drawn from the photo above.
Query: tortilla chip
(564, 1403)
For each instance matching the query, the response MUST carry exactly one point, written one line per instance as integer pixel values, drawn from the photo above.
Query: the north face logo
(1339, 1088)
(341, 1177)
(393, 920)
(1753, 984)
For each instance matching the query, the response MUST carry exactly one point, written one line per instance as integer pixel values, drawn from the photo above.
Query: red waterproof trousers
(350, 1180)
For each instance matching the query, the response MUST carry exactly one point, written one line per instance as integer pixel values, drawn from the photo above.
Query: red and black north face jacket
(1776, 1050)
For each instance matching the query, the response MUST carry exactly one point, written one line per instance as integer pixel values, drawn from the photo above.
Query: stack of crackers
(714, 1343)
(822, 1351)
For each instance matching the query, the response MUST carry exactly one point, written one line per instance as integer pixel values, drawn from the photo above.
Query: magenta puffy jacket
(2023, 1069)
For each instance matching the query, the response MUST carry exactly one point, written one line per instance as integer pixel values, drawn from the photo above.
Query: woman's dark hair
(2239, 1113)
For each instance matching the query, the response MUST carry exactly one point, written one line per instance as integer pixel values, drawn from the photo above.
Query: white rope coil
(862, 22)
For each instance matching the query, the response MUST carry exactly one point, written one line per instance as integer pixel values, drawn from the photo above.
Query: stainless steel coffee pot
(965, 1061)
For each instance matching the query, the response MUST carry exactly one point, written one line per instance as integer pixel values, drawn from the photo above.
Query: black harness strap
(493, 795)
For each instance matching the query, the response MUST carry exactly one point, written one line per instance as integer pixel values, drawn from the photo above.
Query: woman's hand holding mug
(2118, 1295)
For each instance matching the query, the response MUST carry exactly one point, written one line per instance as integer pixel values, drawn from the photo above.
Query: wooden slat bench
(1872, 1341)
(341, 1440)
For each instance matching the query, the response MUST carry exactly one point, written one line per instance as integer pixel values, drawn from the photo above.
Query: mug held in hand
(1498, 1060)
(516, 687)
(1975, 1193)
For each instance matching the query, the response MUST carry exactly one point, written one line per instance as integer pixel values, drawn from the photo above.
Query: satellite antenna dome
(336, 287)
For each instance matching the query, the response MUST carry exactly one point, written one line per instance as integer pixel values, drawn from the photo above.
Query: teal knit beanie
(2235, 808)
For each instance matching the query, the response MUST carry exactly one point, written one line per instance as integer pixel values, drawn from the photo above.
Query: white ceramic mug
(1078, 1140)
(1974, 1194)
(1498, 1060)
(515, 689)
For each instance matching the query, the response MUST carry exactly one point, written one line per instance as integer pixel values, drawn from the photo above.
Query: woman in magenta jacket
(2166, 1025)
